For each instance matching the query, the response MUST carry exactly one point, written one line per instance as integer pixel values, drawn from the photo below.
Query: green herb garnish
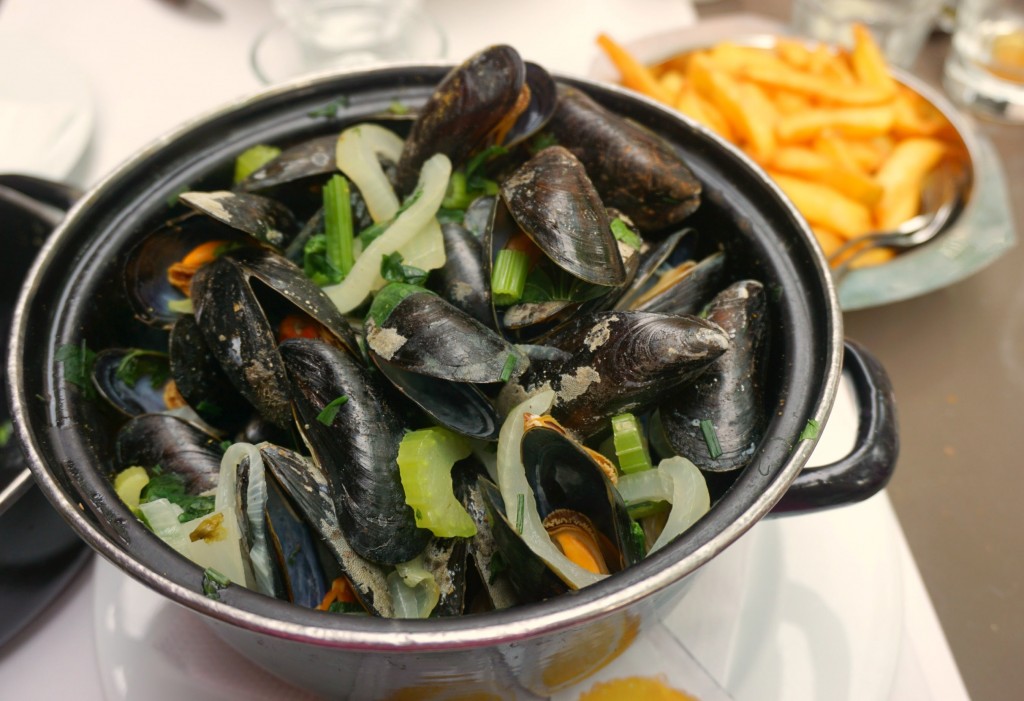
(520, 508)
(329, 412)
(171, 487)
(622, 232)
(338, 225)
(397, 107)
(77, 361)
(445, 215)
(330, 110)
(510, 365)
(6, 431)
(213, 582)
(393, 269)
(208, 408)
(254, 158)
(541, 141)
(346, 607)
(636, 533)
(138, 364)
(811, 430)
(711, 438)
(172, 199)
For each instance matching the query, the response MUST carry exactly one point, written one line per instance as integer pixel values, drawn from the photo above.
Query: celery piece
(425, 460)
(509, 277)
(630, 446)
(128, 484)
(622, 232)
(338, 224)
(254, 158)
(456, 197)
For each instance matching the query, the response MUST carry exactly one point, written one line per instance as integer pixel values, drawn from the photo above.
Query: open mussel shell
(357, 448)
(178, 446)
(237, 328)
(686, 288)
(530, 576)
(621, 361)
(730, 394)
(311, 493)
(567, 482)
(552, 200)
(263, 218)
(309, 158)
(141, 390)
(146, 265)
(461, 115)
(200, 379)
(294, 550)
(634, 170)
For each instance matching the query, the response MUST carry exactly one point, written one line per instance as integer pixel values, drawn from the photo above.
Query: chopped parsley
(393, 269)
(329, 412)
(810, 431)
(330, 110)
(78, 361)
(213, 582)
(138, 364)
(171, 487)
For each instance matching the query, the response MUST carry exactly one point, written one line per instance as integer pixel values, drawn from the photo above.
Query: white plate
(46, 110)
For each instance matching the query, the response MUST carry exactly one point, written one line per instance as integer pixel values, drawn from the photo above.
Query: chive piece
(622, 232)
(509, 277)
(397, 107)
(510, 365)
(180, 306)
(213, 582)
(636, 532)
(644, 509)
(254, 158)
(338, 224)
(6, 431)
(630, 446)
(329, 412)
(520, 508)
(810, 431)
(329, 110)
(711, 438)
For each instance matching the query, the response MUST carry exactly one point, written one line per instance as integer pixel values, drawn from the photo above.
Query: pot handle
(46, 202)
(870, 464)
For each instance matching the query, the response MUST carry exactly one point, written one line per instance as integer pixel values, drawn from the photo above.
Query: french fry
(812, 165)
(902, 176)
(693, 105)
(748, 112)
(782, 76)
(635, 75)
(672, 81)
(733, 58)
(868, 62)
(787, 102)
(849, 121)
(794, 52)
(824, 206)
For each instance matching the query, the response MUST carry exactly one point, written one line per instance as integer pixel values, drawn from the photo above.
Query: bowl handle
(870, 464)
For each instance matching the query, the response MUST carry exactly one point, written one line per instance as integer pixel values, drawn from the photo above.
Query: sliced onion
(357, 154)
(365, 276)
(515, 490)
(690, 498)
(645, 486)
(413, 589)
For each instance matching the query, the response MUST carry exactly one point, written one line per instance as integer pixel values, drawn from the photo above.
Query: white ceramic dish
(46, 110)
(982, 232)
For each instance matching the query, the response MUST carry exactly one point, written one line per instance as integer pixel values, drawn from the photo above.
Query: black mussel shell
(532, 579)
(201, 381)
(634, 170)
(543, 102)
(294, 550)
(695, 285)
(312, 157)
(730, 393)
(176, 445)
(564, 476)
(621, 361)
(357, 448)
(461, 115)
(307, 486)
(462, 280)
(238, 332)
(447, 559)
(146, 264)
(140, 389)
(555, 204)
(262, 218)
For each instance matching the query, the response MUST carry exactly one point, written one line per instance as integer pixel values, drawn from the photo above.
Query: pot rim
(596, 601)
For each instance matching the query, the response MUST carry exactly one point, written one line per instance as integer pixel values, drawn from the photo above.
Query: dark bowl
(74, 294)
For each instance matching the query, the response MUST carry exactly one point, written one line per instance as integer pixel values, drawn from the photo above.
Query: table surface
(956, 359)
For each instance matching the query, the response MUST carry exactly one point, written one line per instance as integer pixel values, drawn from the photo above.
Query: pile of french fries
(847, 143)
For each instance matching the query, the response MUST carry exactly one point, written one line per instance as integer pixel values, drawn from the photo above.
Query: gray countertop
(956, 360)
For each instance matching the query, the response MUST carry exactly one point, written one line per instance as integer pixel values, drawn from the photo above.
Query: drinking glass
(985, 67)
(317, 35)
(899, 26)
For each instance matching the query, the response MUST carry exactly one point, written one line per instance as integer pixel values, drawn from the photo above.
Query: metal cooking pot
(74, 294)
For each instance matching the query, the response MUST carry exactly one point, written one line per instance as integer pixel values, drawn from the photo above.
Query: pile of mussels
(613, 323)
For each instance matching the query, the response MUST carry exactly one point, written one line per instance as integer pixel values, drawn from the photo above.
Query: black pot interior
(79, 297)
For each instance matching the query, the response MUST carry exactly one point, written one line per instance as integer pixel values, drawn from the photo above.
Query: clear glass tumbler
(899, 26)
(985, 67)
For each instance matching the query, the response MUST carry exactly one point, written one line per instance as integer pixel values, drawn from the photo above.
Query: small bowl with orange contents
(858, 146)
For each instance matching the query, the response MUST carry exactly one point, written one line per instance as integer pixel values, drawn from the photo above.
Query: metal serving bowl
(74, 293)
